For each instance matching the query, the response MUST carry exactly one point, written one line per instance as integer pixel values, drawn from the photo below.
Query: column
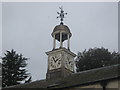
(68, 41)
(54, 42)
(61, 44)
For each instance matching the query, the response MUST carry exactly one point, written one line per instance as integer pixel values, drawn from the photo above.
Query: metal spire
(61, 15)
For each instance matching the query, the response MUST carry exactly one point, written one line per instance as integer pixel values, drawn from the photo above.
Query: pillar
(68, 41)
(61, 43)
(54, 42)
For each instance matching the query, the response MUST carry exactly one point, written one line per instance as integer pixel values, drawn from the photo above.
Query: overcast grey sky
(27, 28)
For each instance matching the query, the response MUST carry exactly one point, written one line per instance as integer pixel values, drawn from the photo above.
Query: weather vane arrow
(61, 15)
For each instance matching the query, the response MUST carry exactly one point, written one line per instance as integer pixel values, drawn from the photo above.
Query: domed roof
(61, 28)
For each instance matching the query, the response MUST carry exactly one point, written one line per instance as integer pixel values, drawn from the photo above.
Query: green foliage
(13, 68)
(95, 58)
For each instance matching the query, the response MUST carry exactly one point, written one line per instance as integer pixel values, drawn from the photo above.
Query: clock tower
(60, 60)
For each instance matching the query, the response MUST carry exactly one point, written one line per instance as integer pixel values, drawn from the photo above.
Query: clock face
(69, 63)
(54, 61)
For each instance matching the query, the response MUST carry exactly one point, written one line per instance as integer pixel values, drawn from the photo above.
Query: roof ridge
(94, 69)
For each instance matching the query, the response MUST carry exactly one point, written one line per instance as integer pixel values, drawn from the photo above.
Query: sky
(27, 28)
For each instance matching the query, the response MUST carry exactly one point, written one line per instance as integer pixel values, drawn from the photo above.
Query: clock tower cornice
(61, 49)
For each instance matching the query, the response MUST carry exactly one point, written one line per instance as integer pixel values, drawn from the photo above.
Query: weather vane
(61, 15)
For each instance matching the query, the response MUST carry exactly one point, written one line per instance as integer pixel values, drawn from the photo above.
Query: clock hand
(53, 59)
(68, 60)
(56, 59)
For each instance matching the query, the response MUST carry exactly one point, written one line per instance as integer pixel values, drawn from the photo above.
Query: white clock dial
(69, 63)
(54, 61)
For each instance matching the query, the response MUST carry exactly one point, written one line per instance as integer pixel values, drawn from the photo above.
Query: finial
(61, 15)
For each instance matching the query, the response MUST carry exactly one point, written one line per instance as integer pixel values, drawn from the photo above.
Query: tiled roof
(77, 79)
(91, 76)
